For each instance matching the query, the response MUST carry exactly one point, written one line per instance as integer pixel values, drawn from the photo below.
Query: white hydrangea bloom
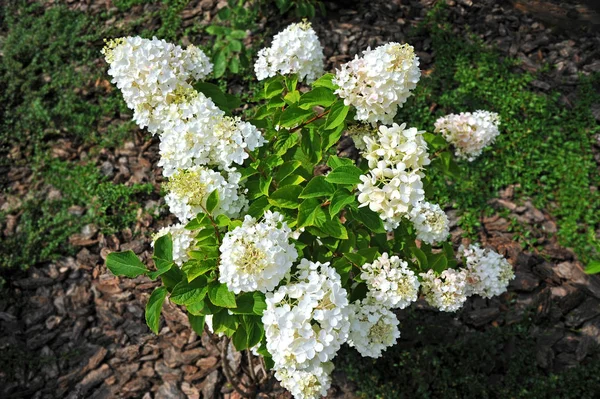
(390, 282)
(379, 82)
(296, 49)
(200, 134)
(256, 256)
(469, 132)
(447, 292)
(397, 145)
(306, 320)
(488, 273)
(189, 189)
(430, 222)
(373, 328)
(393, 185)
(153, 72)
(311, 383)
(182, 240)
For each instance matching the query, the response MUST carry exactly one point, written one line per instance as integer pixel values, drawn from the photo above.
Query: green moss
(544, 148)
(46, 224)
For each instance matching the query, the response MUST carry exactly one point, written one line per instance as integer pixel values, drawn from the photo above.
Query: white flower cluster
(198, 133)
(390, 282)
(373, 328)
(182, 240)
(189, 189)
(306, 384)
(469, 132)
(379, 82)
(296, 49)
(488, 273)
(393, 185)
(155, 78)
(447, 292)
(256, 256)
(430, 222)
(306, 322)
(152, 73)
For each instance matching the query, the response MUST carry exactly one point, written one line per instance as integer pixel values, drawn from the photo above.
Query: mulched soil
(71, 329)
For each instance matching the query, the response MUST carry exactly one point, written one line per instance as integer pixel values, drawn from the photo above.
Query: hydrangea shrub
(283, 247)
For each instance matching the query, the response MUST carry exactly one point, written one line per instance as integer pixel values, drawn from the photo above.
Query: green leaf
(240, 338)
(291, 180)
(198, 222)
(161, 268)
(331, 137)
(154, 307)
(292, 97)
(291, 81)
(333, 228)
(214, 93)
(317, 187)
(264, 184)
(254, 330)
(197, 323)
(370, 219)
(340, 198)
(284, 142)
(345, 175)
(163, 255)
(310, 213)
(235, 45)
(212, 201)
(220, 63)
(172, 277)
(234, 65)
(593, 267)
(343, 267)
(293, 116)
(335, 162)
(319, 96)
(286, 197)
(204, 252)
(125, 264)
(420, 256)
(250, 303)
(435, 141)
(325, 81)
(258, 207)
(276, 102)
(438, 262)
(186, 293)
(311, 145)
(215, 30)
(273, 88)
(220, 295)
(238, 34)
(225, 323)
(337, 115)
(286, 169)
(193, 268)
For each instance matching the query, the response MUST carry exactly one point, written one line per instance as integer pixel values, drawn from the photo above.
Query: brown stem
(263, 368)
(227, 371)
(211, 336)
(308, 122)
(251, 366)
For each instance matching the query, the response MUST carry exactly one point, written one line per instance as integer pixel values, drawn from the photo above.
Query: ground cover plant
(542, 142)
